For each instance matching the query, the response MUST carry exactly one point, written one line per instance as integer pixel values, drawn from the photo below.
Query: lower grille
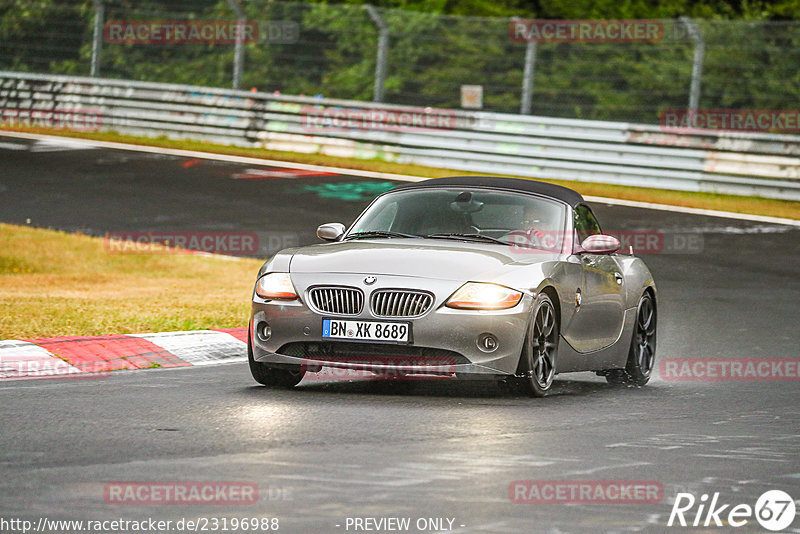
(369, 353)
(337, 300)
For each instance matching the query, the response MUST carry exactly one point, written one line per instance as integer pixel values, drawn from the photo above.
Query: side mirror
(601, 244)
(330, 231)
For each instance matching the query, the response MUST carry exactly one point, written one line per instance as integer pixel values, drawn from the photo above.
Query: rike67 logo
(774, 510)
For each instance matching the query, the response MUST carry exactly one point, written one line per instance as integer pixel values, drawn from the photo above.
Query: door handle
(618, 278)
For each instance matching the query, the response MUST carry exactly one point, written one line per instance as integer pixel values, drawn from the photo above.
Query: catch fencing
(362, 52)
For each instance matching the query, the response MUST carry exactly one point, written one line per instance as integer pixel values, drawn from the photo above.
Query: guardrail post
(697, 62)
(527, 78)
(97, 37)
(382, 54)
(238, 52)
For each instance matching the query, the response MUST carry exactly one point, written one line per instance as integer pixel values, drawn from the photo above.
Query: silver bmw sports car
(466, 276)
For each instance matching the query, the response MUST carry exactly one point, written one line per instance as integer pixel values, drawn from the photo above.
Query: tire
(642, 352)
(538, 359)
(272, 376)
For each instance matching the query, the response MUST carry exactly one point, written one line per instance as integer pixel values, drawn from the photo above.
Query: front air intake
(337, 300)
(400, 303)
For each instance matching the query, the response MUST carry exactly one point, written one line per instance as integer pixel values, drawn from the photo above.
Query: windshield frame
(566, 228)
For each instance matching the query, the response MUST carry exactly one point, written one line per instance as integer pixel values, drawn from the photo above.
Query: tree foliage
(435, 46)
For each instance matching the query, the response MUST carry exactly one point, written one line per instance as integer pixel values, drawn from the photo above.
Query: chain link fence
(363, 53)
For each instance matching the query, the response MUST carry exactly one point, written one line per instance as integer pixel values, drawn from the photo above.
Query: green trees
(435, 46)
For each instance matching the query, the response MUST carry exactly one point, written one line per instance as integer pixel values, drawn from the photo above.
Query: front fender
(637, 278)
(279, 263)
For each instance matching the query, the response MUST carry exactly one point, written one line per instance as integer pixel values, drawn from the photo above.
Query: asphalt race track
(324, 454)
(98, 191)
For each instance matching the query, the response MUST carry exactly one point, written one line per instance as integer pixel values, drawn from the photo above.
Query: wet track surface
(323, 452)
(96, 191)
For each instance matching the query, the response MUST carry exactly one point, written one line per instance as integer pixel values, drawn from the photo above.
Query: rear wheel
(272, 376)
(538, 359)
(642, 353)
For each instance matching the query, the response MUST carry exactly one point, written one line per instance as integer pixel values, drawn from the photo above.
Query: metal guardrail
(753, 164)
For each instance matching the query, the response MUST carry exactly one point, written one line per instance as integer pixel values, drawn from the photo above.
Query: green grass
(751, 205)
(55, 283)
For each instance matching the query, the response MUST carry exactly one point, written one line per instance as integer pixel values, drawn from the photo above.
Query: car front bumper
(444, 340)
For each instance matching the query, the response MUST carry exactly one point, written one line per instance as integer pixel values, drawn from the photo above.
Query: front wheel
(538, 359)
(272, 376)
(642, 353)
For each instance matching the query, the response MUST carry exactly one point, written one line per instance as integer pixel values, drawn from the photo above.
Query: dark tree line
(752, 52)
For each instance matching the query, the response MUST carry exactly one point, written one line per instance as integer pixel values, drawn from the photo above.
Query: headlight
(482, 296)
(276, 286)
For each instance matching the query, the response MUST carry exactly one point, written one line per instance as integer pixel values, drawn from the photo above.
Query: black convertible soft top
(512, 184)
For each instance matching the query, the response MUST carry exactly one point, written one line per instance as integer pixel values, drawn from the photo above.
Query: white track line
(218, 157)
(694, 211)
(383, 175)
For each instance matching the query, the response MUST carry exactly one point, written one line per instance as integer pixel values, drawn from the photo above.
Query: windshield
(467, 214)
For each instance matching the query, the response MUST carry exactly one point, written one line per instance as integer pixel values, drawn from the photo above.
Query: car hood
(441, 259)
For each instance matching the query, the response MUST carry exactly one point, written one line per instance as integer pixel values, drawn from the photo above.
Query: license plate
(366, 330)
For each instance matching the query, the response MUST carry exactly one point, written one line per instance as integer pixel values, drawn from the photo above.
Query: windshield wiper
(378, 233)
(468, 237)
